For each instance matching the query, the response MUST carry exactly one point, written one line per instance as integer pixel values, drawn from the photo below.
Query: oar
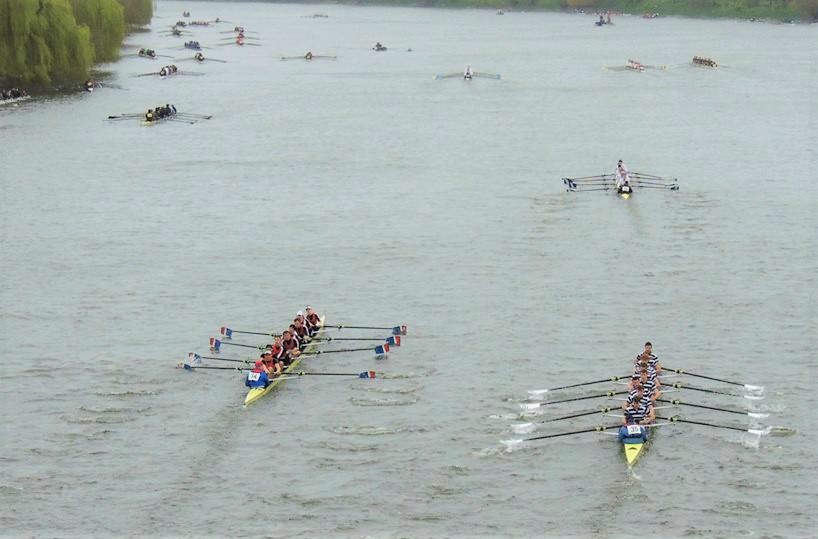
(204, 117)
(288, 375)
(647, 175)
(228, 333)
(379, 350)
(194, 358)
(598, 428)
(397, 330)
(215, 345)
(125, 116)
(537, 392)
(575, 190)
(522, 428)
(677, 419)
(180, 120)
(391, 340)
(535, 405)
(668, 187)
(748, 387)
(487, 75)
(589, 178)
(680, 403)
(677, 385)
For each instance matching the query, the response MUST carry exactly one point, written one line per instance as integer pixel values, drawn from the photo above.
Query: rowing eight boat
(257, 392)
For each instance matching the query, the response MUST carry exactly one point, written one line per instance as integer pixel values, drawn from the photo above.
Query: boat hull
(256, 393)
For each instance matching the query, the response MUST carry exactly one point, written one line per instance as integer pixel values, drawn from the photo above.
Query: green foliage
(137, 12)
(40, 41)
(105, 20)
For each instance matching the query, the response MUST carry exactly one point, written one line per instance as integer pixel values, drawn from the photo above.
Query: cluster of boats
(278, 360)
(636, 401)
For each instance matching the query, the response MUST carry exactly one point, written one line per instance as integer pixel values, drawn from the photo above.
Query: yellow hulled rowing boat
(256, 393)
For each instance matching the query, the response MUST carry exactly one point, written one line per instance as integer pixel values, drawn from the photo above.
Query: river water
(381, 196)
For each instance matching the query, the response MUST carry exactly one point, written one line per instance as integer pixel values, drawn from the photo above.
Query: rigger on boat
(637, 403)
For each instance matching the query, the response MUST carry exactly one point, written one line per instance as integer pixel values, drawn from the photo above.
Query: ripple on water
(373, 431)
(382, 402)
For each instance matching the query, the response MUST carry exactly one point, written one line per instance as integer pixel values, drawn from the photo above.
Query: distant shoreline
(752, 10)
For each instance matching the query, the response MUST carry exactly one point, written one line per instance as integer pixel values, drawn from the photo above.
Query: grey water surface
(381, 196)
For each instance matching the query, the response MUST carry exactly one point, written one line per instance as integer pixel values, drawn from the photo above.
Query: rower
(290, 345)
(149, 115)
(601, 20)
(651, 359)
(279, 355)
(313, 319)
(259, 376)
(640, 409)
(89, 86)
(199, 56)
(300, 329)
(468, 74)
(273, 366)
(308, 56)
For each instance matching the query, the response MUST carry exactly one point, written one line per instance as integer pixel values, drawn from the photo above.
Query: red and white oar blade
(226, 332)
(215, 344)
(394, 341)
(381, 351)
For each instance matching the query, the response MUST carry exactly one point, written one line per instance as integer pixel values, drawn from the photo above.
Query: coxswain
(89, 86)
(632, 432)
(290, 345)
(259, 376)
(163, 72)
(468, 73)
(149, 115)
(199, 57)
(313, 319)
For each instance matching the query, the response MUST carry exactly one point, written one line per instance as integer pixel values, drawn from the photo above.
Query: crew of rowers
(186, 14)
(602, 20)
(180, 23)
(160, 112)
(378, 47)
(12, 93)
(707, 62)
(643, 390)
(636, 66)
(280, 354)
(168, 70)
(199, 23)
(623, 179)
(193, 45)
(147, 53)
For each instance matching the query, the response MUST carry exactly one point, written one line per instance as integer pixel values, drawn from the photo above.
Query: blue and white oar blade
(193, 360)
(226, 332)
(381, 351)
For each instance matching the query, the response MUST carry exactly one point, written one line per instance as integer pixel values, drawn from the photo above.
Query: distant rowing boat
(607, 182)
(309, 57)
(701, 61)
(465, 76)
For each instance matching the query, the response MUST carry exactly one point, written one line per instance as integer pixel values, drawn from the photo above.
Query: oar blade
(529, 405)
(523, 428)
(399, 330)
(367, 374)
(381, 351)
(215, 345)
(394, 340)
(226, 332)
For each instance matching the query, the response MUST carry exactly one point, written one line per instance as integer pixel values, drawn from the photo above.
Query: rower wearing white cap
(468, 74)
(313, 320)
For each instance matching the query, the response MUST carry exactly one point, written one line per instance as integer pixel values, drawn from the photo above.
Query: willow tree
(105, 20)
(138, 12)
(40, 41)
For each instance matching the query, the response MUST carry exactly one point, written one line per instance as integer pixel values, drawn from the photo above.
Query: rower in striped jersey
(313, 320)
(650, 357)
(640, 410)
(650, 383)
